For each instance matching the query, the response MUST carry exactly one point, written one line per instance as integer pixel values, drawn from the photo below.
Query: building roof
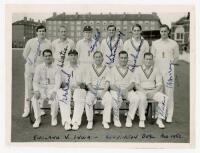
(183, 20)
(26, 22)
(100, 17)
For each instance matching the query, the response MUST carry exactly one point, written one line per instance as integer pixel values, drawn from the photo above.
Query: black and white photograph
(93, 74)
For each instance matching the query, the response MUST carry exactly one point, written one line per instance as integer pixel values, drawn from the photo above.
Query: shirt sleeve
(27, 49)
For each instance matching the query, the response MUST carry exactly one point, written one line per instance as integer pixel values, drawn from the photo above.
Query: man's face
(48, 58)
(123, 59)
(87, 35)
(111, 31)
(41, 33)
(164, 32)
(148, 60)
(98, 59)
(73, 58)
(136, 32)
(63, 33)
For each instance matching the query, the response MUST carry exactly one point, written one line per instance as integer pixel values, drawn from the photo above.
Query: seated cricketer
(149, 84)
(121, 84)
(98, 88)
(72, 85)
(45, 87)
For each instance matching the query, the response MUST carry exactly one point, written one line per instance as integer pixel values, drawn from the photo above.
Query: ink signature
(66, 86)
(170, 80)
(97, 38)
(162, 108)
(62, 57)
(111, 57)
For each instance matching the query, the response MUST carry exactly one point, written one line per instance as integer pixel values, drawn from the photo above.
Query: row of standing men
(164, 51)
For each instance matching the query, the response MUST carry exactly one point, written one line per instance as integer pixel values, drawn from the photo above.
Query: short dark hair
(123, 52)
(137, 25)
(165, 26)
(111, 25)
(41, 27)
(148, 54)
(97, 53)
(46, 51)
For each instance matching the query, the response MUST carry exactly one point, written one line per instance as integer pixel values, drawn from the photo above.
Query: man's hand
(53, 96)
(37, 94)
(150, 95)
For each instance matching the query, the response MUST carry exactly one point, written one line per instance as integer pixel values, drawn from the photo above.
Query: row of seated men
(59, 85)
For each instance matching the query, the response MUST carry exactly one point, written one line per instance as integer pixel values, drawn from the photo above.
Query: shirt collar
(144, 67)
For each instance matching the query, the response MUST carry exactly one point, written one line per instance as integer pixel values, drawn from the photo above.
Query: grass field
(22, 131)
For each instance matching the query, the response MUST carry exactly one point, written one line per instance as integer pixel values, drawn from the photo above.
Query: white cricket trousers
(169, 80)
(106, 101)
(64, 101)
(79, 105)
(28, 78)
(37, 109)
(133, 99)
(162, 100)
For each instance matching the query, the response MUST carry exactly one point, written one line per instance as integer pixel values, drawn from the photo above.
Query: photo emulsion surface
(101, 77)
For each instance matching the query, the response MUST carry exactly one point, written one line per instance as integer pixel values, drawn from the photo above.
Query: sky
(166, 18)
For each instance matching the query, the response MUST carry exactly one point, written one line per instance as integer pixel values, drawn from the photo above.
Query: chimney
(54, 14)
(25, 18)
(38, 21)
(76, 14)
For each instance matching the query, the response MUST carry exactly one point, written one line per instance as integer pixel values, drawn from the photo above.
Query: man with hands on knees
(121, 85)
(149, 86)
(45, 86)
(98, 89)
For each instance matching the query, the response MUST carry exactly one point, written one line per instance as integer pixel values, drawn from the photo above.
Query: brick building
(22, 31)
(180, 31)
(75, 23)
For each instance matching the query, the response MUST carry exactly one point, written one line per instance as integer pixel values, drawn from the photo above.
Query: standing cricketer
(33, 56)
(61, 47)
(166, 53)
(111, 46)
(136, 47)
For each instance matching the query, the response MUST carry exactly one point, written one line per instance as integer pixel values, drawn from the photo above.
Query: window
(98, 23)
(118, 22)
(72, 23)
(133, 22)
(54, 28)
(125, 22)
(72, 34)
(66, 22)
(140, 22)
(72, 28)
(84, 23)
(179, 33)
(78, 34)
(59, 22)
(91, 22)
(111, 22)
(104, 23)
(152, 22)
(118, 28)
(49, 28)
(146, 22)
(78, 28)
(54, 22)
(49, 22)
(78, 22)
